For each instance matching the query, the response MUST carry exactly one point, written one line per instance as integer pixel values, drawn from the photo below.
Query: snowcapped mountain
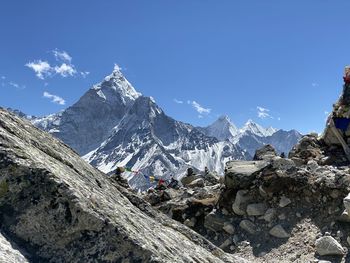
(222, 129)
(113, 125)
(252, 136)
(86, 124)
(148, 140)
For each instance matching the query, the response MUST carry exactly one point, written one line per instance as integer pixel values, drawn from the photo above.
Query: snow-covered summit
(256, 129)
(222, 129)
(116, 83)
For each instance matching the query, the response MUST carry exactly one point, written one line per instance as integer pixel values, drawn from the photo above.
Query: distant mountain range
(114, 125)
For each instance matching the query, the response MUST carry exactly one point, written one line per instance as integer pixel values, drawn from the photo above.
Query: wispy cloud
(41, 68)
(178, 101)
(16, 85)
(263, 113)
(3, 77)
(84, 74)
(314, 84)
(62, 56)
(54, 98)
(200, 109)
(65, 70)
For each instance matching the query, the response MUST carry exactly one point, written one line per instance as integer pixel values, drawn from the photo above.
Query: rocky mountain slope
(57, 208)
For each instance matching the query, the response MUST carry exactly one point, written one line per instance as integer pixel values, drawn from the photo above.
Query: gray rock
(248, 226)
(257, 209)
(283, 164)
(190, 222)
(267, 152)
(196, 183)
(284, 201)
(240, 174)
(214, 221)
(10, 254)
(270, 214)
(241, 199)
(226, 243)
(229, 228)
(327, 245)
(189, 179)
(52, 200)
(279, 232)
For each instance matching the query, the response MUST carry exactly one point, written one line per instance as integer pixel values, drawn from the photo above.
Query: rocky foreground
(271, 209)
(54, 207)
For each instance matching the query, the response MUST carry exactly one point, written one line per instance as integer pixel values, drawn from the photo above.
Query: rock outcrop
(57, 208)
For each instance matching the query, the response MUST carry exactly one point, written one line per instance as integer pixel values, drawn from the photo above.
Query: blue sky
(279, 63)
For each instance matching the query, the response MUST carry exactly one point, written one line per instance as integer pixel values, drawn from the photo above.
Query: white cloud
(326, 112)
(16, 85)
(263, 113)
(279, 118)
(3, 77)
(314, 84)
(54, 98)
(65, 70)
(199, 108)
(178, 101)
(62, 56)
(84, 74)
(41, 68)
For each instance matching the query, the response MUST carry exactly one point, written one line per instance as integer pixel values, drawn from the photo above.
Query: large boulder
(60, 209)
(189, 179)
(240, 174)
(308, 148)
(327, 245)
(267, 152)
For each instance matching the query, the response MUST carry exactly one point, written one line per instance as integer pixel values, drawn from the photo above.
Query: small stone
(214, 221)
(229, 228)
(284, 201)
(270, 214)
(248, 226)
(348, 240)
(225, 212)
(324, 199)
(232, 248)
(298, 214)
(226, 243)
(339, 234)
(335, 194)
(279, 232)
(344, 217)
(242, 197)
(333, 210)
(327, 245)
(262, 254)
(190, 222)
(282, 217)
(257, 209)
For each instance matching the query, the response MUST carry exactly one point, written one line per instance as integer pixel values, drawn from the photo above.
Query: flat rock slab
(239, 174)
